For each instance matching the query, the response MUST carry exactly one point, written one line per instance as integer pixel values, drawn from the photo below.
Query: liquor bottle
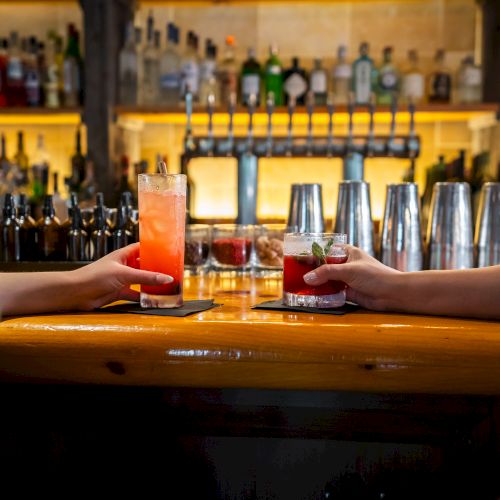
(170, 68)
(273, 76)
(455, 171)
(228, 72)
(52, 77)
(3, 72)
(42, 70)
(151, 66)
(341, 77)
(27, 230)
(387, 87)
(413, 86)
(319, 83)
(121, 235)
(4, 161)
(128, 68)
(100, 235)
(21, 160)
(435, 173)
(440, 80)
(16, 93)
(32, 79)
(250, 78)
(295, 83)
(208, 72)
(123, 180)
(72, 68)
(60, 206)
(363, 76)
(469, 82)
(11, 245)
(77, 237)
(132, 223)
(40, 178)
(74, 182)
(190, 68)
(51, 244)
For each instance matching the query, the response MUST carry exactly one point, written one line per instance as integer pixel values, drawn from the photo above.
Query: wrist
(396, 290)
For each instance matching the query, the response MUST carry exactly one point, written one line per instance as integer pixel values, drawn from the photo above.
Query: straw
(162, 167)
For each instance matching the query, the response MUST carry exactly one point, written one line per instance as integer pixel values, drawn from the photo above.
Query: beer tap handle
(350, 110)
(269, 109)
(210, 112)
(291, 110)
(188, 141)
(310, 112)
(330, 109)
(370, 144)
(394, 110)
(252, 101)
(412, 139)
(230, 130)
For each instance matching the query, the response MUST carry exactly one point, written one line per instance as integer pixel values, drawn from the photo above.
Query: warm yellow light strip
(40, 119)
(301, 118)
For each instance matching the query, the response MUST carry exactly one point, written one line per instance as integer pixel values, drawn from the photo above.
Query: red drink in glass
(299, 260)
(162, 215)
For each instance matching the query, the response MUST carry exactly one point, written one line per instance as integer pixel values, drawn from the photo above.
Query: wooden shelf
(40, 116)
(426, 113)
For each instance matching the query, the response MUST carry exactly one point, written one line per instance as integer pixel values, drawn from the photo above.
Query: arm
(84, 289)
(466, 293)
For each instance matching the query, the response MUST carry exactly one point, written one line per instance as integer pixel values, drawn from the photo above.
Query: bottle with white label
(170, 68)
(16, 92)
(318, 83)
(250, 79)
(190, 68)
(295, 83)
(363, 76)
(387, 87)
(151, 65)
(413, 86)
(208, 71)
(341, 77)
(32, 81)
(469, 82)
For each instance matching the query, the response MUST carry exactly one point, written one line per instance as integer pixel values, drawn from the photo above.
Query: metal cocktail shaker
(306, 209)
(401, 242)
(449, 232)
(487, 238)
(354, 216)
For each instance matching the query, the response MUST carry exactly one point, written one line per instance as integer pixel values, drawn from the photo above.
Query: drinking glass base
(149, 301)
(320, 301)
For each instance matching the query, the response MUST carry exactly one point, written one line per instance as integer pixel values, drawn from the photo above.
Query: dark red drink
(232, 251)
(296, 266)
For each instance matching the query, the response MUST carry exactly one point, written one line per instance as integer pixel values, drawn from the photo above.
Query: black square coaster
(189, 307)
(277, 305)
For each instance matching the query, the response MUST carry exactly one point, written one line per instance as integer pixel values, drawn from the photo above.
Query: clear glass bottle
(363, 76)
(72, 70)
(16, 92)
(440, 80)
(413, 87)
(40, 169)
(21, 159)
(151, 66)
(60, 205)
(469, 82)
(208, 75)
(33, 79)
(295, 83)
(170, 68)
(273, 76)
(190, 68)
(341, 77)
(319, 83)
(388, 79)
(250, 78)
(128, 69)
(51, 77)
(228, 72)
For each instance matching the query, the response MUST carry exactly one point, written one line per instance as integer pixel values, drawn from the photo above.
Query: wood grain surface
(234, 346)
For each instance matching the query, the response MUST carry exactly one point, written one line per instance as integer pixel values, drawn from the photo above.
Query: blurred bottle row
(41, 73)
(84, 234)
(154, 73)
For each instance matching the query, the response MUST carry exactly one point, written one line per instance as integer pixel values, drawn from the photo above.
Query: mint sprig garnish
(321, 253)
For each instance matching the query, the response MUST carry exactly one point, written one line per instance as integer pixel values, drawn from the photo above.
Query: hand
(109, 279)
(369, 283)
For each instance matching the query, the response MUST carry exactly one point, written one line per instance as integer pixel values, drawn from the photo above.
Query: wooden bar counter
(234, 346)
(117, 390)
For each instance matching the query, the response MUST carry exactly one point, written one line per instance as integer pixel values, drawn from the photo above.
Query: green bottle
(388, 80)
(273, 76)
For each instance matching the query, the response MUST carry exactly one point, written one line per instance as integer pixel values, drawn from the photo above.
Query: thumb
(131, 276)
(329, 272)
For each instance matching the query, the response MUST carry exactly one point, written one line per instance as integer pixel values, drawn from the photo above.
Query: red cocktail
(304, 253)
